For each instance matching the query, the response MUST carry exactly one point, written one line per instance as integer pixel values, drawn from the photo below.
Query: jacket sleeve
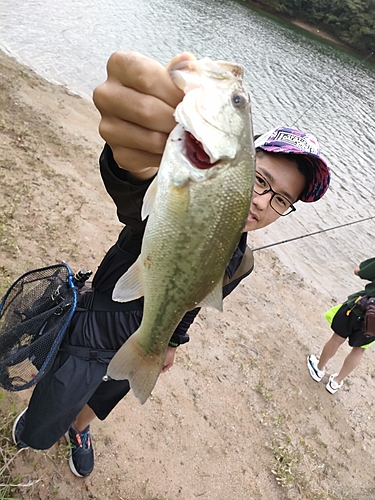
(127, 195)
(180, 335)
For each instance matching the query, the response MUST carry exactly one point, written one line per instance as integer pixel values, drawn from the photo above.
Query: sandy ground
(238, 416)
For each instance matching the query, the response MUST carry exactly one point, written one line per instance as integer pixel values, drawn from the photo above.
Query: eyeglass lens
(279, 203)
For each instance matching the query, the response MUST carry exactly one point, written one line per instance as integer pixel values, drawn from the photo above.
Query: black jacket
(128, 198)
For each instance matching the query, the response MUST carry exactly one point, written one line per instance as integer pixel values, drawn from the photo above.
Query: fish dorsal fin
(235, 70)
(149, 198)
(129, 286)
(215, 298)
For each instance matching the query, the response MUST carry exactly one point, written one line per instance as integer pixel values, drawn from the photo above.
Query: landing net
(34, 314)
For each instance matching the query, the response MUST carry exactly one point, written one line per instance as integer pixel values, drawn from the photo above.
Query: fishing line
(329, 88)
(312, 234)
(293, 124)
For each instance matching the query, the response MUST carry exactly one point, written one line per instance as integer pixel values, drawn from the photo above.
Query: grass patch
(261, 389)
(286, 464)
(297, 463)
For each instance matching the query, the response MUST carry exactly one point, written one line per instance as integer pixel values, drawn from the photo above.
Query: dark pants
(57, 399)
(75, 378)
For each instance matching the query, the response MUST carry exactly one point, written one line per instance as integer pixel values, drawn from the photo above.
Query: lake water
(293, 77)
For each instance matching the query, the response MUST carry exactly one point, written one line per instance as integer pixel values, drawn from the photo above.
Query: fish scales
(173, 289)
(197, 208)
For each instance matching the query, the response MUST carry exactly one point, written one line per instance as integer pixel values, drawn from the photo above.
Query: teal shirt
(366, 272)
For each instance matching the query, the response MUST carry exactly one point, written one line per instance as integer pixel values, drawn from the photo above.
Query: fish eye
(239, 100)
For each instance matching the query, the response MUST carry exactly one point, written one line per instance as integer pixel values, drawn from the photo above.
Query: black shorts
(75, 378)
(350, 327)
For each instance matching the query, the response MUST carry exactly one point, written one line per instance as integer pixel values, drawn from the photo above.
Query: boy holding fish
(137, 104)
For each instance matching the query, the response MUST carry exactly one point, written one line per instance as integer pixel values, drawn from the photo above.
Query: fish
(197, 206)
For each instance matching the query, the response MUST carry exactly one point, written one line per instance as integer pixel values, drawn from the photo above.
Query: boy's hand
(136, 104)
(169, 359)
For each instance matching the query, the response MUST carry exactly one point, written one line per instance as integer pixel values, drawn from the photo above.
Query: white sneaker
(332, 386)
(312, 365)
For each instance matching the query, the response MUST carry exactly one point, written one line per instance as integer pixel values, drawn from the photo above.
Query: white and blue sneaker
(312, 365)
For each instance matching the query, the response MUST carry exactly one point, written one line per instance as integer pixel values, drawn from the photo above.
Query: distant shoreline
(326, 36)
(319, 33)
(305, 26)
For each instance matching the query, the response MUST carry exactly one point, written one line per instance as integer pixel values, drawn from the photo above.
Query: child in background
(347, 323)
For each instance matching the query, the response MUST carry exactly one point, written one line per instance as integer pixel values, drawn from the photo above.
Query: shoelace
(83, 440)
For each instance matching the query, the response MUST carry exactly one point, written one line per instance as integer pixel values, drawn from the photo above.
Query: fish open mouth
(196, 154)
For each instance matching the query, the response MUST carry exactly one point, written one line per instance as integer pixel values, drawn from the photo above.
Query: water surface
(294, 78)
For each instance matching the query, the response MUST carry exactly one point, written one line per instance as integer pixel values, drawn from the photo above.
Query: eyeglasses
(278, 203)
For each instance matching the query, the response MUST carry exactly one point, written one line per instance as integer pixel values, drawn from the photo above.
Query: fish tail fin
(132, 364)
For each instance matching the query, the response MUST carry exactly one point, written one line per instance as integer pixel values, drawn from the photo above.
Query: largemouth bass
(197, 208)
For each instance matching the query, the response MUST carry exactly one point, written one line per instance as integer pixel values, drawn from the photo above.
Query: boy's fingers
(134, 160)
(129, 135)
(184, 56)
(144, 75)
(133, 106)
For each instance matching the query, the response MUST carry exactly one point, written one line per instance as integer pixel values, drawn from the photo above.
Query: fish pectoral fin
(214, 299)
(141, 370)
(129, 286)
(149, 198)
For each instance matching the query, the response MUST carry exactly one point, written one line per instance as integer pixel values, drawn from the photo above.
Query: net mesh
(34, 314)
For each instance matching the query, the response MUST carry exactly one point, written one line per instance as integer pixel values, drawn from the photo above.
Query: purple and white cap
(288, 140)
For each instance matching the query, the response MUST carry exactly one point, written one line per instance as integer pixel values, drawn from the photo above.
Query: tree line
(350, 21)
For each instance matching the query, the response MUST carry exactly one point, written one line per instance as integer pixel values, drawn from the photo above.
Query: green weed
(263, 391)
